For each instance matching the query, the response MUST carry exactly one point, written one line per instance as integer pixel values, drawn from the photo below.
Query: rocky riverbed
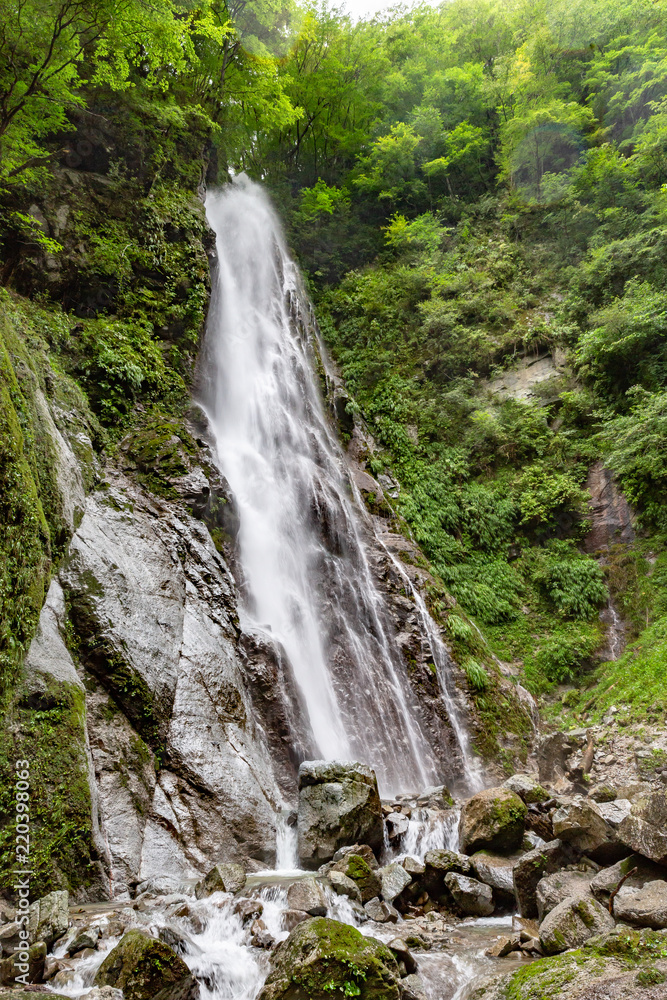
(552, 886)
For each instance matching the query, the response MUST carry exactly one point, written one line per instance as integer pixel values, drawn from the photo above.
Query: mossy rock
(144, 968)
(358, 869)
(587, 972)
(324, 958)
(161, 446)
(492, 820)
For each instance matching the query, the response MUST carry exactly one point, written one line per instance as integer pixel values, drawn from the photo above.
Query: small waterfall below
(304, 571)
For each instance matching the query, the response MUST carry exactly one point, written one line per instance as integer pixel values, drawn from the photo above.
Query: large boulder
(644, 829)
(635, 871)
(307, 895)
(12, 966)
(356, 868)
(394, 880)
(436, 866)
(617, 966)
(363, 850)
(222, 878)
(344, 886)
(492, 820)
(48, 917)
(471, 897)
(531, 868)
(553, 889)
(496, 871)
(580, 823)
(145, 968)
(573, 922)
(644, 907)
(339, 805)
(325, 958)
(528, 788)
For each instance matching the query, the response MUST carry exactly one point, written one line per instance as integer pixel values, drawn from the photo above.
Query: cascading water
(304, 569)
(306, 576)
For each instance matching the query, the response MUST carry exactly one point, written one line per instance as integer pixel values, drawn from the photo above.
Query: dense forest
(466, 186)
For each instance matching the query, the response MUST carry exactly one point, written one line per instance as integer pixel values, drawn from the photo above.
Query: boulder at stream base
(146, 969)
(492, 820)
(324, 958)
(222, 878)
(35, 966)
(367, 881)
(339, 805)
(471, 897)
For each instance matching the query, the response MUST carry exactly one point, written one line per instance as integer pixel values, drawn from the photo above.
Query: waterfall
(305, 575)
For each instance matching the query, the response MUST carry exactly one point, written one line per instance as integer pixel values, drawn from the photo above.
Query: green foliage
(478, 679)
(49, 730)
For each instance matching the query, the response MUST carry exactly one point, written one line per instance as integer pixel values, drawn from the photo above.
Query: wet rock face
(323, 957)
(611, 515)
(153, 608)
(492, 820)
(145, 968)
(471, 897)
(339, 805)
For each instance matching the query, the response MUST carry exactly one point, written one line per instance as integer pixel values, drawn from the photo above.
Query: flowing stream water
(306, 576)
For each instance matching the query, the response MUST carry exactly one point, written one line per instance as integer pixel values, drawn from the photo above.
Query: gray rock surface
(527, 787)
(394, 879)
(532, 867)
(494, 870)
(339, 805)
(645, 828)
(307, 894)
(49, 917)
(608, 879)
(643, 907)
(580, 823)
(553, 889)
(573, 922)
(365, 878)
(155, 609)
(221, 878)
(344, 886)
(471, 897)
(380, 911)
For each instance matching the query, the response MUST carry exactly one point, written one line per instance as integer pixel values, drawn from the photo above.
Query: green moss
(33, 530)
(49, 731)
(332, 959)
(141, 966)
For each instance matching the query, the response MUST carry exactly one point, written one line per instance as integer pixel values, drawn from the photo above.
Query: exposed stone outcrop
(339, 805)
(573, 922)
